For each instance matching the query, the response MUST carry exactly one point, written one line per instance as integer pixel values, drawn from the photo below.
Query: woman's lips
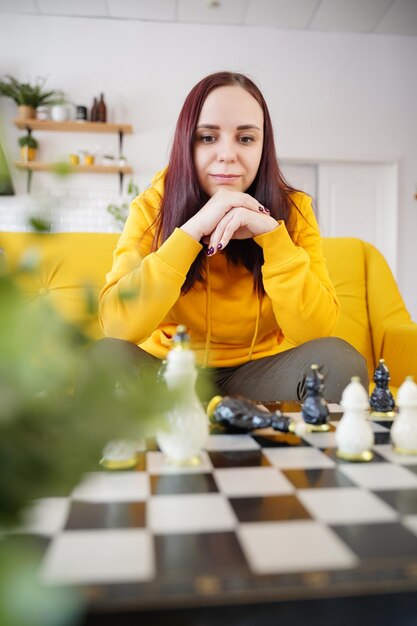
(225, 178)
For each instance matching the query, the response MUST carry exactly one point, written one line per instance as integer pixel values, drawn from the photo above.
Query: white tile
(400, 19)
(321, 440)
(157, 464)
(113, 487)
(348, 15)
(297, 458)
(280, 13)
(299, 546)
(189, 513)
(228, 12)
(387, 451)
(378, 428)
(18, 6)
(158, 10)
(231, 442)
(252, 481)
(113, 556)
(410, 521)
(46, 516)
(346, 506)
(380, 475)
(91, 8)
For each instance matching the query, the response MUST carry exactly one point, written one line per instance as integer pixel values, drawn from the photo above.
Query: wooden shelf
(38, 166)
(74, 126)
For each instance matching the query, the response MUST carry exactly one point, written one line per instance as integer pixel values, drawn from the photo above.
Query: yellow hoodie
(229, 324)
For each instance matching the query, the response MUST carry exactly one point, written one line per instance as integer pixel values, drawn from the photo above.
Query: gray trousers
(274, 378)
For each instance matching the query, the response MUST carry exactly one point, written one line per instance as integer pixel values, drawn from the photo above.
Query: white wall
(331, 96)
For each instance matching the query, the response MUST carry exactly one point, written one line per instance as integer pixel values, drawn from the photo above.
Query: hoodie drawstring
(255, 334)
(208, 318)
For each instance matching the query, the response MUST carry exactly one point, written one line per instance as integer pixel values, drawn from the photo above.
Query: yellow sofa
(373, 315)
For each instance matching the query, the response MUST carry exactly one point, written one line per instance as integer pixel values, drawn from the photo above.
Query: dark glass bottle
(94, 111)
(102, 109)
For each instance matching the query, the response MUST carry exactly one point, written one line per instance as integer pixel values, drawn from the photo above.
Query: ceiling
(396, 17)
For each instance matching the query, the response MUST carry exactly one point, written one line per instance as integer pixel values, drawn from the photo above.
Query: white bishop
(404, 428)
(354, 436)
(186, 428)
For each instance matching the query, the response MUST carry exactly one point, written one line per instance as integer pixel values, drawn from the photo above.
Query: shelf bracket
(120, 143)
(29, 181)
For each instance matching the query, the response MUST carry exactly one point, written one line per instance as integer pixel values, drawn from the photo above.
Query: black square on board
(99, 515)
(269, 509)
(238, 458)
(317, 478)
(379, 541)
(200, 554)
(402, 500)
(182, 483)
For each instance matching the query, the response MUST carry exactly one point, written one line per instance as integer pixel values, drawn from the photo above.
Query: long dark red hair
(183, 196)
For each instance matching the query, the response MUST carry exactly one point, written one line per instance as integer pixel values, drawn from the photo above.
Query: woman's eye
(246, 139)
(207, 138)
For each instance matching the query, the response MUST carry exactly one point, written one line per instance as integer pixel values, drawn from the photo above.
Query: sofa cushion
(346, 261)
(70, 271)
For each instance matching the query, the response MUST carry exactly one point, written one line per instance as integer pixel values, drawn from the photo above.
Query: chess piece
(382, 401)
(354, 435)
(186, 427)
(239, 415)
(404, 428)
(314, 410)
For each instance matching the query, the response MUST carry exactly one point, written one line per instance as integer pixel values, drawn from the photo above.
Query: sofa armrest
(400, 351)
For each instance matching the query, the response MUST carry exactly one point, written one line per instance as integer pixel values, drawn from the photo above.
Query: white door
(352, 200)
(360, 200)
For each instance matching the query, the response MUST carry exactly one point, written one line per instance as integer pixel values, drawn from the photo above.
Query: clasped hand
(229, 215)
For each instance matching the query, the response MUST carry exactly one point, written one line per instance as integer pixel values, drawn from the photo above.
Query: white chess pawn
(354, 436)
(404, 428)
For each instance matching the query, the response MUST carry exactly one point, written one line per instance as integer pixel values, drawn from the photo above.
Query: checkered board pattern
(265, 513)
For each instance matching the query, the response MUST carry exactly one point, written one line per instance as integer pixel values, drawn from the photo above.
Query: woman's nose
(226, 152)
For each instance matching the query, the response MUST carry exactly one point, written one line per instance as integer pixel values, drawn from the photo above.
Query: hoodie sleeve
(143, 286)
(296, 278)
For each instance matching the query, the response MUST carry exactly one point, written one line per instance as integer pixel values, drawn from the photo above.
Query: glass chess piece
(237, 414)
(354, 435)
(404, 428)
(382, 401)
(185, 431)
(314, 409)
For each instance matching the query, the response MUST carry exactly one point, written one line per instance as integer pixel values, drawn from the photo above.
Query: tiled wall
(66, 211)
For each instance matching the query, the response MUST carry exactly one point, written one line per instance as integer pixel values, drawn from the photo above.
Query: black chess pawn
(382, 401)
(314, 410)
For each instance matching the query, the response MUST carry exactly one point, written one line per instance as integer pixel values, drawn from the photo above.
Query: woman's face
(228, 140)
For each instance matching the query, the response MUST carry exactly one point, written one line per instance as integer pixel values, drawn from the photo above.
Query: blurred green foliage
(120, 211)
(58, 409)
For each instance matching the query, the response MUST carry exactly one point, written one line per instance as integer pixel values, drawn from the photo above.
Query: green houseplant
(29, 96)
(28, 147)
(120, 211)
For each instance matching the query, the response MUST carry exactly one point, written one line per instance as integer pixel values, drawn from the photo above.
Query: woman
(221, 243)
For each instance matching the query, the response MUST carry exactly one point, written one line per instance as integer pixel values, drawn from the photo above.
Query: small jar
(122, 161)
(89, 159)
(74, 159)
(59, 113)
(42, 113)
(81, 115)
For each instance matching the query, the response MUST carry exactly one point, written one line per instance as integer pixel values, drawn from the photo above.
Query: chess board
(265, 517)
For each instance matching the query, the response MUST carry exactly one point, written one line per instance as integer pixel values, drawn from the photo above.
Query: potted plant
(29, 96)
(28, 146)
